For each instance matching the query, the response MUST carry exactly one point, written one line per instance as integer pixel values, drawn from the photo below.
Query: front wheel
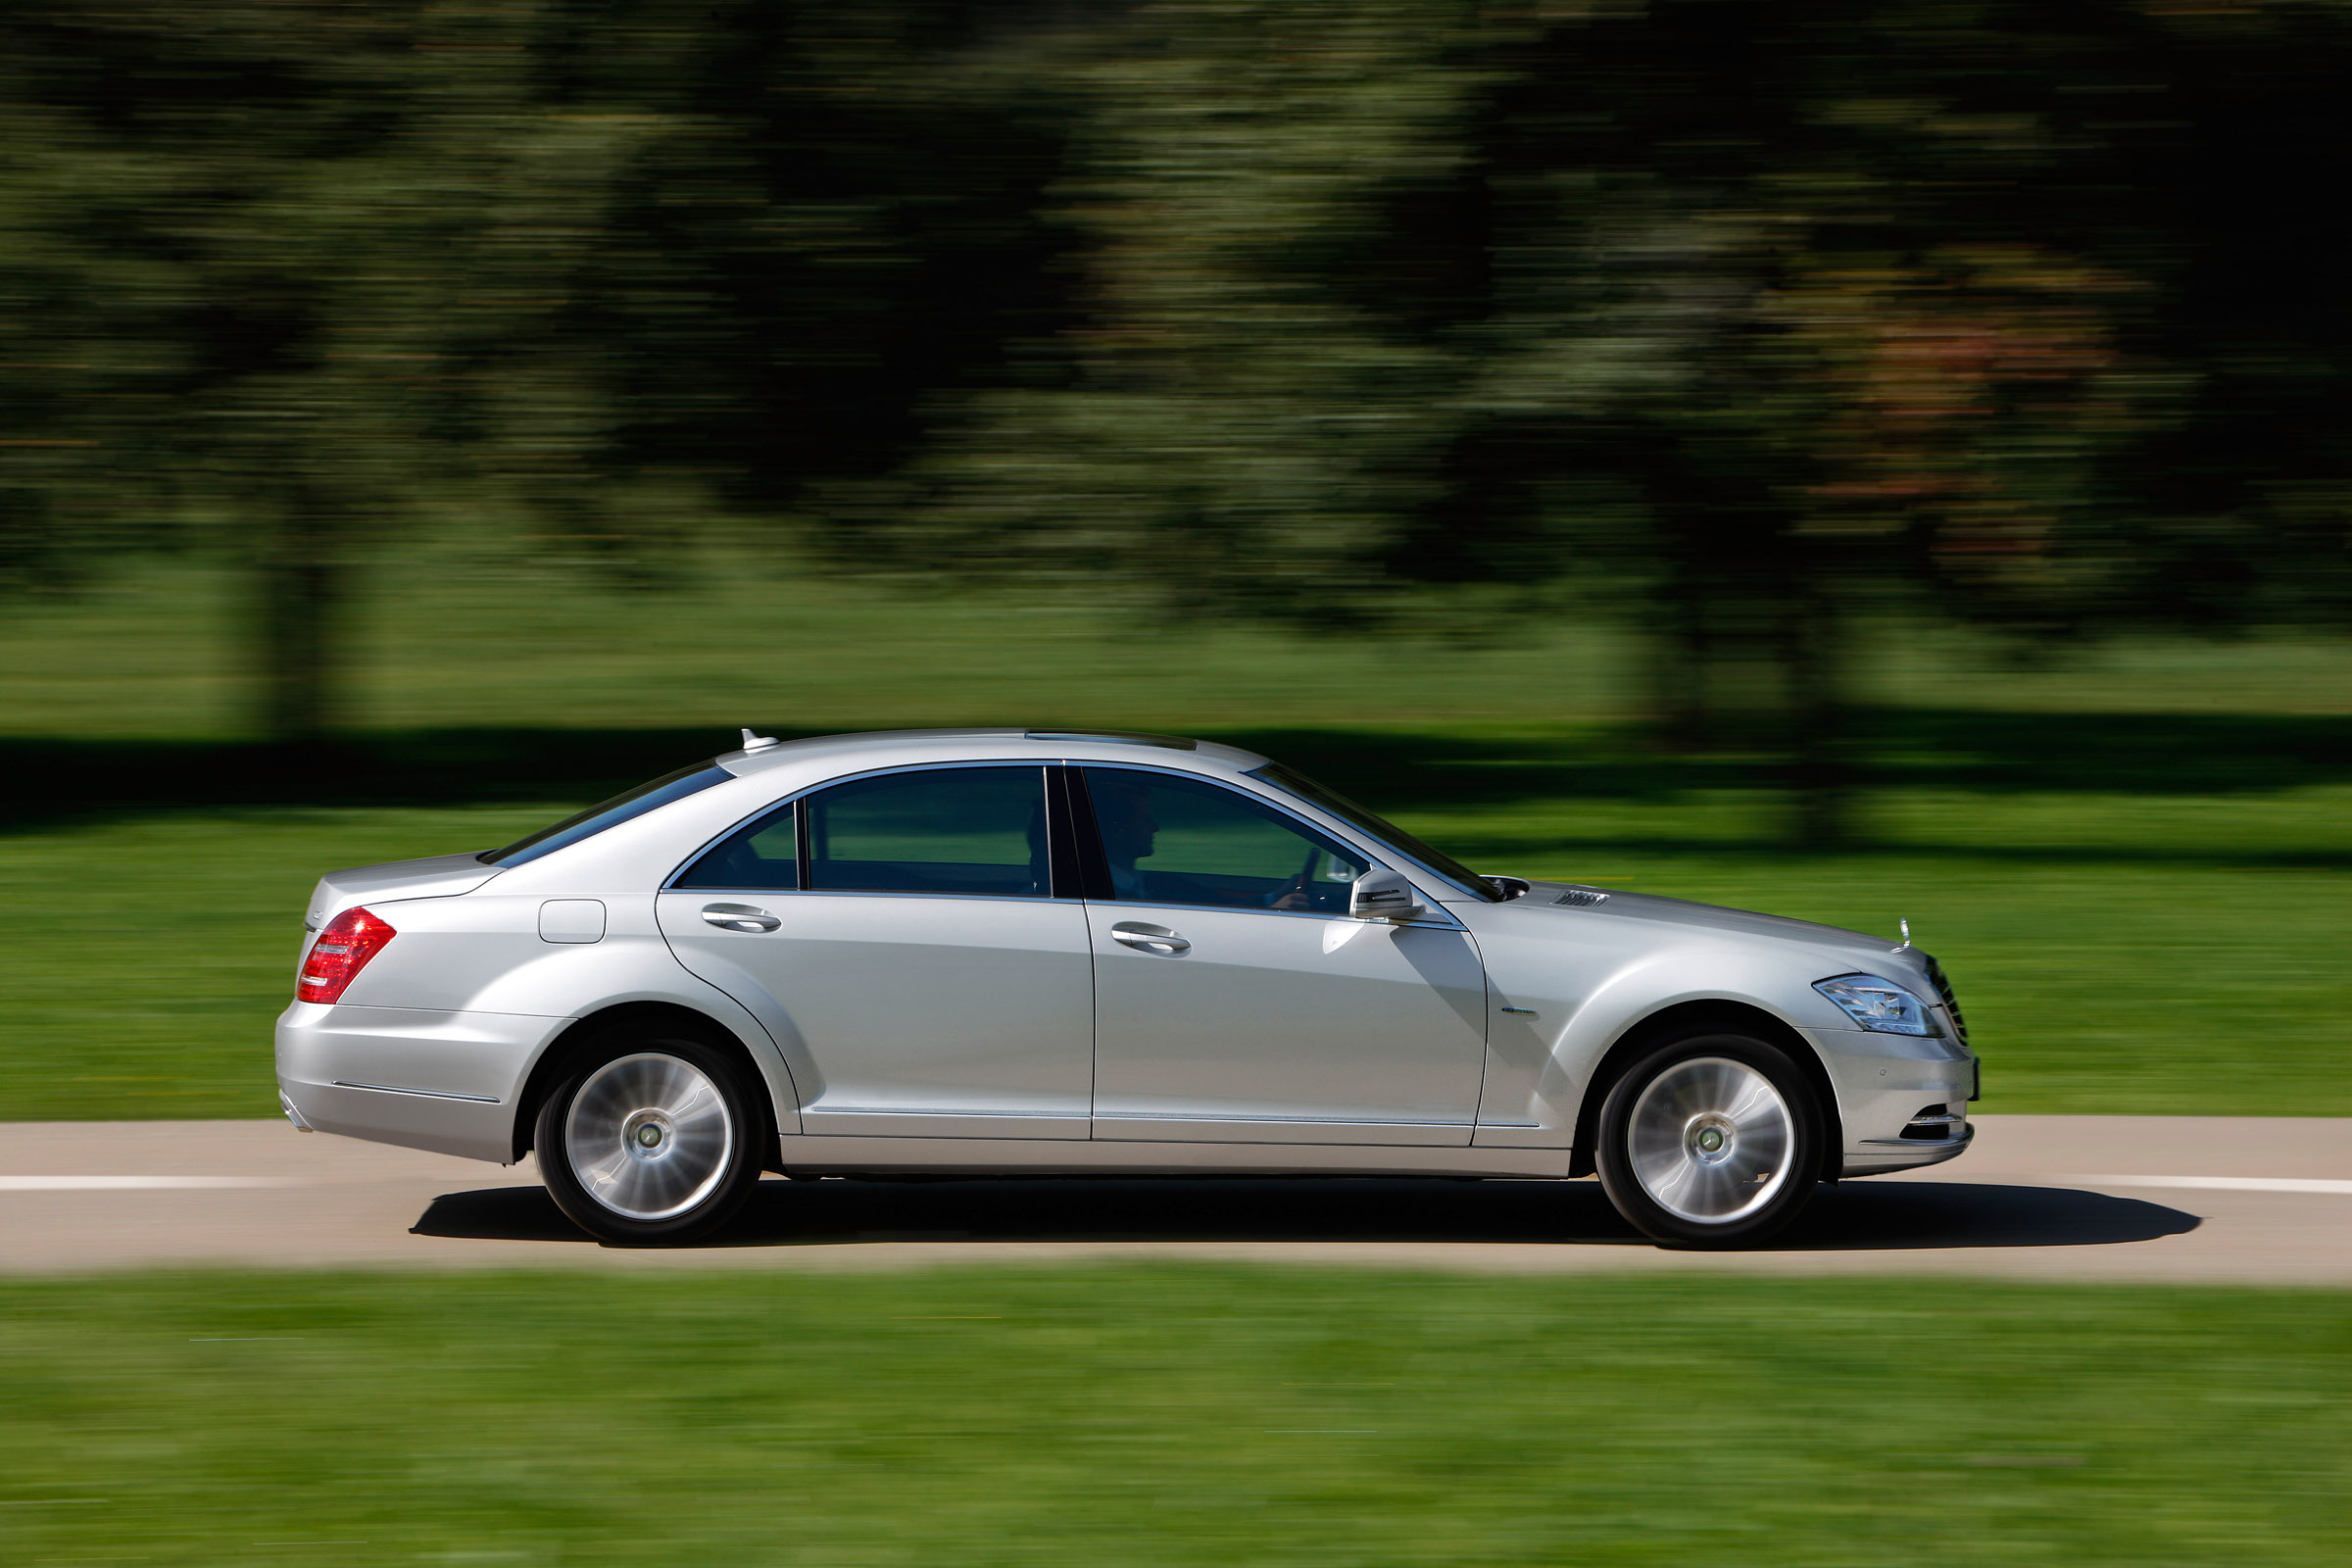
(1711, 1141)
(650, 1138)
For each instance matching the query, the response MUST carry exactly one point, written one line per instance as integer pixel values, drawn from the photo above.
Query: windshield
(1412, 849)
(620, 809)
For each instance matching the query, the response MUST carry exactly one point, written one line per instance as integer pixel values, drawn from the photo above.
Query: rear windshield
(1389, 833)
(620, 809)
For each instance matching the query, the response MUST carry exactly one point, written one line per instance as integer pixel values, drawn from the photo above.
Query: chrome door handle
(739, 917)
(1149, 938)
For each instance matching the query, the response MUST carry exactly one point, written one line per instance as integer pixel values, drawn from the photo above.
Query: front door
(900, 935)
(1236, 1000)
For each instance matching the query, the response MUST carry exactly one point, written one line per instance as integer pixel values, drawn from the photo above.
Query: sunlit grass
(1167, 1415)
(453, 634)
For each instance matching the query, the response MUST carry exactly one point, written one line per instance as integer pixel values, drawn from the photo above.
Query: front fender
(1570, 1002)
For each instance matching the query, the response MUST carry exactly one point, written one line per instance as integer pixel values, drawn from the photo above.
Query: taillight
(341, 951)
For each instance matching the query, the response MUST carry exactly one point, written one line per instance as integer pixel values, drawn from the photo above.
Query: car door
(901, 935)
(1236, 1000)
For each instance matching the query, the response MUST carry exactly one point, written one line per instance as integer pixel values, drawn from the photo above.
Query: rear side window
(762, 857)
(978, 830)
(611, 814)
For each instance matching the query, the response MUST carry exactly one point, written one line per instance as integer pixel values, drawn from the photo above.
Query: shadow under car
(1851, 1216)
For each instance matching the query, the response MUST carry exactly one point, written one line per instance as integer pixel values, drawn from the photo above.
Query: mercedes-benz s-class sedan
(997, 951)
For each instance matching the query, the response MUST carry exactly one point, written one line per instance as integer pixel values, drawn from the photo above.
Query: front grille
(1943, 989)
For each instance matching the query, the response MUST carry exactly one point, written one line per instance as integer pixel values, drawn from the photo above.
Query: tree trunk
(1680, 653)
(297, 588)
(1813, 658)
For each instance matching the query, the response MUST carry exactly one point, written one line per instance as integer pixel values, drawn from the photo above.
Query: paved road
(2091, 1197)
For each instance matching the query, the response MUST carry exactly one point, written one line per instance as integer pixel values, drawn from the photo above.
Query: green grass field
(1167, 1416)
(454, 635)
(2136, 865)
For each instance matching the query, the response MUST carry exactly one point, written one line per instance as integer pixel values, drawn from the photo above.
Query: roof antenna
(759, 743)
(1906, 924)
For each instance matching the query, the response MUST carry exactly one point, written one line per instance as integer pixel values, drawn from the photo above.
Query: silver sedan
(1005, 951)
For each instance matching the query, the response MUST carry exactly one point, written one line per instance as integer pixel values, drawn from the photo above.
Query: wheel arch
(557, 1058)
(1723, 1015)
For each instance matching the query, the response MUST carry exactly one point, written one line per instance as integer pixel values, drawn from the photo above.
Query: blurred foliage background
(1853, 459)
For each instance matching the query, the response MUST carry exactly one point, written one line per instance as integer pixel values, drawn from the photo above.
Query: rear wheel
(652, 1136)
(1711, 1141)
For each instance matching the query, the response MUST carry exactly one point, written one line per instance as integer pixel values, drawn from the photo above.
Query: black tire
(651, 1135)
(1711, 1141)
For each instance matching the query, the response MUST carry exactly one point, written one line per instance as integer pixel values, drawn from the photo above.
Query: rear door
(900, 931)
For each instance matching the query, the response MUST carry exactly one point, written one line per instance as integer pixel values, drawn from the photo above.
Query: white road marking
(2226, 1184)
(128, 1184)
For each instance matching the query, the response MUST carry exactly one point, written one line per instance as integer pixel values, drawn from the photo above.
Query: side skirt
(806, 1154)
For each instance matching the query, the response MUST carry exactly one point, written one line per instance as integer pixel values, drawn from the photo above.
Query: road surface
(2250, 1199)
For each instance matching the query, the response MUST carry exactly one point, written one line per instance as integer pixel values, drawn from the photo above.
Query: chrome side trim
(1287, 1121)
(1927, 1144)
(819, 1153)
(418, 1094)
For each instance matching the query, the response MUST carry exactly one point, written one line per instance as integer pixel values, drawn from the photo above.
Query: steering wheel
(1301, 887)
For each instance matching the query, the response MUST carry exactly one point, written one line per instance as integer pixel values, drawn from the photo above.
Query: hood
(436, 876)
(1856, 951)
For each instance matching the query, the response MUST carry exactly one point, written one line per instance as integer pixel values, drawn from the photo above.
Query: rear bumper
(448, 1082)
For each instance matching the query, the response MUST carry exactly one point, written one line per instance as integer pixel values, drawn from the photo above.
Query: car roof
(890, 748)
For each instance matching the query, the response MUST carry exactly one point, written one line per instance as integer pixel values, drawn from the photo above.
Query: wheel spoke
(649, 1136)
(1708, 1139)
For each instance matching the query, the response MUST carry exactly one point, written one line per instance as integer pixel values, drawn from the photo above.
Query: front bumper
(448, 1082)
(1885, 1083)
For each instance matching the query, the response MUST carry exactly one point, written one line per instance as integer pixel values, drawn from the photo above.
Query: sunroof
(1123, 737)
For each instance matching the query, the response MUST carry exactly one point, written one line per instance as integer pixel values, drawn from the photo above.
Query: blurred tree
(834, 218)
(231, 233)
(1738, 319)
(286, 274)
(1748, 318)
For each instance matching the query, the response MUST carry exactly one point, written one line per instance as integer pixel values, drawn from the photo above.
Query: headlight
(1878, 1005)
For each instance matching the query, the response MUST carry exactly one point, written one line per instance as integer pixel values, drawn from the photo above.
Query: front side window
(1172, 840)
(977, 830)
(1388, 833)
(763, 856)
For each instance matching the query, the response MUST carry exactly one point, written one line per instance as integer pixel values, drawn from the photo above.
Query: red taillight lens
(341, 951)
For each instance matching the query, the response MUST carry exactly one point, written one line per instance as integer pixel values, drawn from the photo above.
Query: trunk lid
(436, 876)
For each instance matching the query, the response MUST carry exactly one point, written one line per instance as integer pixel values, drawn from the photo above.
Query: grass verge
(1167, 1415)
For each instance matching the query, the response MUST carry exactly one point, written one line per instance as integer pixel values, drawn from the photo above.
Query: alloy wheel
(649, 1136)
(1709, 1140)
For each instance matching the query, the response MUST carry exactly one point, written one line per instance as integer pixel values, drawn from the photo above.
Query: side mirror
(1382, 895)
